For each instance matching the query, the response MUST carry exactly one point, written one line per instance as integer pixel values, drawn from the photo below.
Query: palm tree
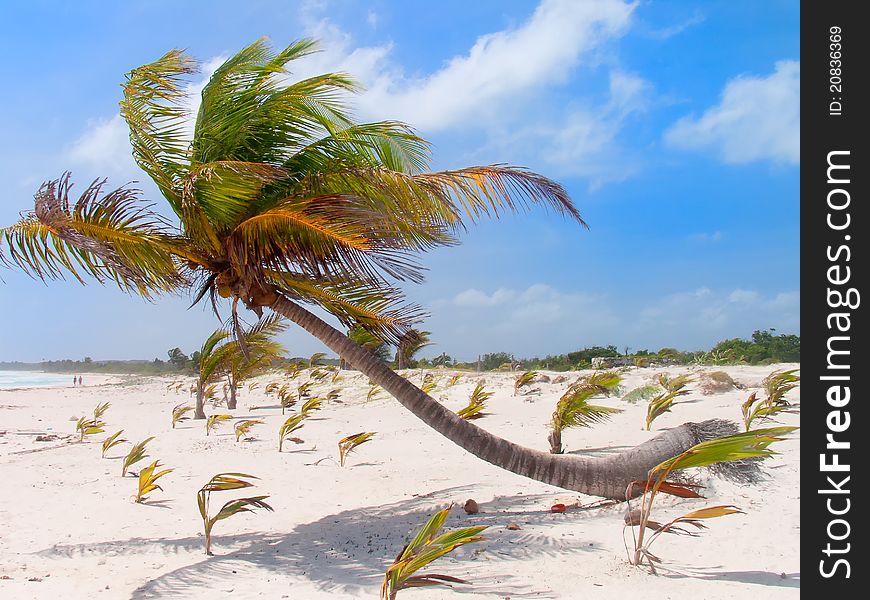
(260, 349)
(410, 344)
(280, 199)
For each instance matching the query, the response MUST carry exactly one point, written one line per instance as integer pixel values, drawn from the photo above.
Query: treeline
(764, 347)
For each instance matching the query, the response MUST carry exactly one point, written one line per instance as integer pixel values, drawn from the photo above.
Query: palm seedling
(374, 390)
(311, 405)
(272, 387)
(253, 385)
(243, 428)
(428, 545)
(223, 482)
(179, 413)
(293, 370)
(741, 446)
(777, 384)
(85, 426)
(112, 441)
(454, 380)
(214, 420)
(429, 384)
(100, 410)
(292, 424)
(316, 359)
(333, 394)
(179, 387)
(574, 410)
(762, 410)
(348, 444)
(136, 454)
(644, 392)
(148, 481)
(524, 380)
(285, 398)
(319, 374)
(662, 403)
(476, 404)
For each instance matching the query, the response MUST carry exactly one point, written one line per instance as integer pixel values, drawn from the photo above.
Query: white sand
(68, 522)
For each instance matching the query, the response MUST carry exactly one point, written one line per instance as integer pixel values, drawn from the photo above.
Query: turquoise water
(25, 379)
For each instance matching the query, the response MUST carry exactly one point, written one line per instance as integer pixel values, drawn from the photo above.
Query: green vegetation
(224, 482)
(213, 421)
(662, 403)
(243, 427)
(179, 413)
(427, 546)
(476, 403)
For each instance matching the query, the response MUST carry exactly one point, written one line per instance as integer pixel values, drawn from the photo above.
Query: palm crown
(277, 191)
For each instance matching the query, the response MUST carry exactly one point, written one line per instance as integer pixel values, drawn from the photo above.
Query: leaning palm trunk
(606, 477)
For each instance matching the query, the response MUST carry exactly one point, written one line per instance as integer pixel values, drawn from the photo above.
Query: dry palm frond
(179, 413)
(112, 441)
(428, 545)
(136, 454)
(242, 428)
(214, 420)
(476, 404)
(777, 384)
(223, 482)
(148, 479)
(523, 380)
(178, 388)
(348, 444)
(574, 410)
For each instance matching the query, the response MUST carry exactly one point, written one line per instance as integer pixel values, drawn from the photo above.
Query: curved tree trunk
(607, 477)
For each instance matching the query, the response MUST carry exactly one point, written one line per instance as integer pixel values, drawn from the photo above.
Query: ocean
(27, 379)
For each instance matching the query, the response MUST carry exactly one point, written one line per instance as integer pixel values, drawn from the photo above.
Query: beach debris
(513, 527)
(558, 508)
(471, 507)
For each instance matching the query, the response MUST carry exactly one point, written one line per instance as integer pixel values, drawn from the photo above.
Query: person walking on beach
(80, 379)
(74, 380)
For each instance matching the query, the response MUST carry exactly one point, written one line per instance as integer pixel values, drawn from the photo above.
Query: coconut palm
(279, 199)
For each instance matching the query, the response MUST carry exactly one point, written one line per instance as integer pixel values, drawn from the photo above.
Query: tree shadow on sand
(348, 552)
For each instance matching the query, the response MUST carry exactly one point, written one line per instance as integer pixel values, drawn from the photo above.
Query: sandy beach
(71, 530)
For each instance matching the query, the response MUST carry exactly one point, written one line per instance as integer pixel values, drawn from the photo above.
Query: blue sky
(674, 126)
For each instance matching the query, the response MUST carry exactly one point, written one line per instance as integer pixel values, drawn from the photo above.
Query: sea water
(27, 379)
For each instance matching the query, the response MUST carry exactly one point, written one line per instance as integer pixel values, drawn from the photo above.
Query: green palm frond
(179, 413)
(136, 454)
(574, 410)
(223, 482)
(148, 481)
(476, 403)
(778, 384)
(523, 380)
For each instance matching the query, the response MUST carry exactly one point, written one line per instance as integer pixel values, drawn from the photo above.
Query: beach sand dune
(71, 530)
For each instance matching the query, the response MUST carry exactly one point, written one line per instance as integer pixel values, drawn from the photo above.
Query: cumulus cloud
(758, 118)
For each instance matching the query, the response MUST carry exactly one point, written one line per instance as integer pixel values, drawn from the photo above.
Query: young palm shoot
(112, 441)
(429, 385)
(243, 428)
(523, 380)
(350, 443)
(285, 398)
(740, 446)
(179, 413)
(223, 482)
(374, 390)
(100, 410)
(574, 410)
(755, 409)
(662, 403)
(316, 359)
(272, 387)
(333, 395)
(85, 426)
(253, 385)
(476, 404)
(136, 454)
(777, 384)
(294, 423)
(148, 481)
(454, 380)
(214, 420)
(427, 546)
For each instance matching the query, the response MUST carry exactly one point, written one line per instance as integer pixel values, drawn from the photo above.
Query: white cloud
(708, 238)
(473, 297)
(758, 118)
(501, 67)
(104, 147)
